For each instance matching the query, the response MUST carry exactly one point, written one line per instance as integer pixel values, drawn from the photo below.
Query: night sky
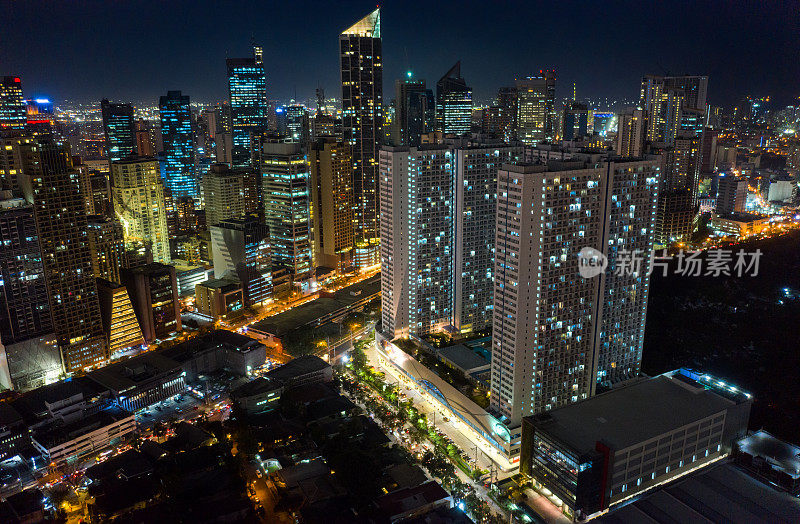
(137, 50)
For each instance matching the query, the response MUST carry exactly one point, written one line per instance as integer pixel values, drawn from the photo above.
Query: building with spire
(361, 60)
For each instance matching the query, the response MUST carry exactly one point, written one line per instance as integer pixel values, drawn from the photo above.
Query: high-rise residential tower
(140, 205)
(476, 163)
(285, 184)
(560, 328)
(119, 130)
(536, 108)
(677, 199)
(631, 132)
(52, 185)
(417, 186)
(178, 139)
(107, 244)
(453, 103)
(12, 104)
(361, 60)
(247, 85)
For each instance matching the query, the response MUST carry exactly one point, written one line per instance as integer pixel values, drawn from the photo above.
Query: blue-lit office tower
(119, 130)
(12, 105)
(178, 139)
(361, 58)
(453, 103)
(247, 85)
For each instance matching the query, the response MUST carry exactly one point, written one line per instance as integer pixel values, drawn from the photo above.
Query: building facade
(556, 333)
(153, 290)
(241, 250)
(177, 137)
(106, 240)
(331, 164)
(120, 324)
(140, 205)
(286, 188)
(361, 59)
(453, 103)
(13, 113)
(535, 103)
(247, 85)
(417, 192)
(119, 131)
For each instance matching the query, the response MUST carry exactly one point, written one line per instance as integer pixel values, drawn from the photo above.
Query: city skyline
(598, 60)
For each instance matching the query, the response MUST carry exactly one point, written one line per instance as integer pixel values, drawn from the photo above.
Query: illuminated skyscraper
(415, 112)
(53, 187)
(153, 292)
(332, 203)
(12, 105)
(178, 140)
(417, 186)
(247, 85)
(631, 132)
(120, 324)
(23, 290)
(453, 103)
(536, 108)
(293, 123)
(140, 205)
(558, 334)
(285, 184)
(361, 59)
(475, 199)
(119, 130)
(224, 192)
(677, 200)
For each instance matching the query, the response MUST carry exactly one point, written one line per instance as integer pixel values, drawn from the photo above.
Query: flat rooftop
(283, 323)
(720, 493)
(780, 455)
(631, 414)
(130, 373)
(464, 357)
(297, 367)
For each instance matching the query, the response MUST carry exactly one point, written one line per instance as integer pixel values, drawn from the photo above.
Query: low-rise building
(596, 453)
(741, 225)
(770, 460)
(258, 396)
(218, 350)
(408, 503)
(14, 435)
(141, 381)
(63, 443)
(218, 297)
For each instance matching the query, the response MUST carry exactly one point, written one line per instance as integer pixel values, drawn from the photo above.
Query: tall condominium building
(96, 188)
(106, 241)
(178, 139)
(285, 184)
(145, 145)
(536, 108)
(241, 250)
(247, 85)
(119, 130)
(476, 164)
(677, 199)
(331, 164)
(153, 291)
(731, 194)
(631, 132)
(140, 205)
(52, 185)
(120, 325)
(507, 104)
(229, 193)
(361, 59)
(24, 304)
(695, 90)
(415, 111)
(13, 113)
(416, 239)
(15, 150)
(556, 333)
(453, 103)
(663, 103)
